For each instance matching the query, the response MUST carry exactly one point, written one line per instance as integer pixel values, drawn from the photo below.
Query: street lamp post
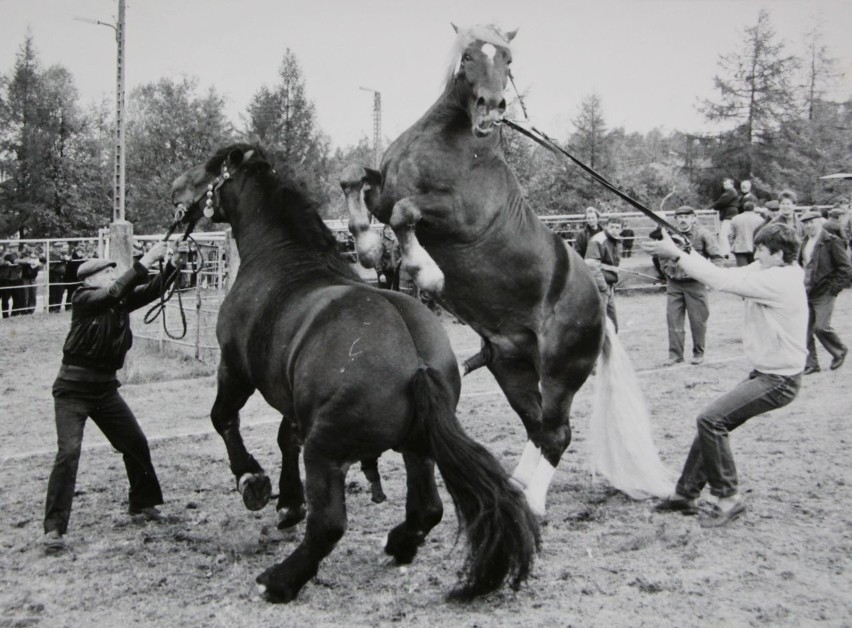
(121, 231)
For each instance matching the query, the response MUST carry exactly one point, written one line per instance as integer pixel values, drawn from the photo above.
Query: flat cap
(92, 266)
(808, 216)
(684, 209)
(773, 205)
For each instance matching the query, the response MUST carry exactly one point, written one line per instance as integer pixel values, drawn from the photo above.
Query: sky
(650, 61)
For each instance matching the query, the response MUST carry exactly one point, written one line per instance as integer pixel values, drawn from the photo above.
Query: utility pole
(121, 231)
(377, 126)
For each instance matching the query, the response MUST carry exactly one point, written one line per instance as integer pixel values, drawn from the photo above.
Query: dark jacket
(703, 242)
(746, 198)
(100, 334)
(604, 249)
(581, 242)
(829, 270)
(727, 204)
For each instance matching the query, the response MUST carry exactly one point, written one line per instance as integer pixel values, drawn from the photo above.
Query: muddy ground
(606, 560)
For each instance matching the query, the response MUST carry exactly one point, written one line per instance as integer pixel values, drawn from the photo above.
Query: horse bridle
(211, 203)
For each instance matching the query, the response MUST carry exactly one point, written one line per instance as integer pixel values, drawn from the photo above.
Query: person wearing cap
(686, 296)
(827, 272)
(743, 228)
(774, 340)
(728, 206)
(86, 386)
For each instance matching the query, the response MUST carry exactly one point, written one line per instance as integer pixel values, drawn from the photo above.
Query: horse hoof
(288, 517)
(256, 490)
(273, 593)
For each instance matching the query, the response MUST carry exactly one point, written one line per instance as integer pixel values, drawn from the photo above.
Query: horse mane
(486, 33)
(289, 198)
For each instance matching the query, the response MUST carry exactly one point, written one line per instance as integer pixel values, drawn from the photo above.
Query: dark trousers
(19, 297)
(29, 291)
(686, 298)
(744, 259)
(6, 288)
(56, 290)
(74, 402)
(820, 310)
(710, 460)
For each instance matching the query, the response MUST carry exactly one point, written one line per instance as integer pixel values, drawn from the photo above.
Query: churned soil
(606, 560)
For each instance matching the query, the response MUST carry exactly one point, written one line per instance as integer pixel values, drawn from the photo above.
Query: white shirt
(776, 310)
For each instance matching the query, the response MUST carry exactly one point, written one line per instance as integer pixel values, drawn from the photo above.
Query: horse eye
(466, 57)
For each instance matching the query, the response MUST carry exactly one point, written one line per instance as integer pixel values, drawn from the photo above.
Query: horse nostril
(480, 102)
(502, 106)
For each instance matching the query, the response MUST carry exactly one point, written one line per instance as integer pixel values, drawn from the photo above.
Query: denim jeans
(74, 402)
(710, 460)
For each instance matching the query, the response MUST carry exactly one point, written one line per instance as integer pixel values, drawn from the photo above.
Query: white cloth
(776, 310)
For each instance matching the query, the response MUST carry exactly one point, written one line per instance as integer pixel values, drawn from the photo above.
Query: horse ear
(511, 35)
(236, 156)
(455, 28)
(374, 177)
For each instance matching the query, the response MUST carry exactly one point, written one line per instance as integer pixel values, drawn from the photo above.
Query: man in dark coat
(86, 386)
(825, 260)
(728, 206)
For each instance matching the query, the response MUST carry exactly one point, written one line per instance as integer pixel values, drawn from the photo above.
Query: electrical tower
(377, 126)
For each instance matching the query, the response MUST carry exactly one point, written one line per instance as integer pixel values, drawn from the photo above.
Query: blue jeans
(74, 402)
(710, 460)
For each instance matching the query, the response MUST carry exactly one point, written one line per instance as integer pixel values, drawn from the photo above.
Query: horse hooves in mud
(288, 517)
(256, 490)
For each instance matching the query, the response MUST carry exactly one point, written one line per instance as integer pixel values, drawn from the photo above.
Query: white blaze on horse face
(490, 51)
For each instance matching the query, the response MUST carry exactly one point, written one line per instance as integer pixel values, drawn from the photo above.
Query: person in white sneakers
(775, 342)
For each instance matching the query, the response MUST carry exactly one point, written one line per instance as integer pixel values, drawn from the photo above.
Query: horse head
(203, 189)
(480, 74)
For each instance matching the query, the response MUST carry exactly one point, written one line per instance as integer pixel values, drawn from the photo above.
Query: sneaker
(147, 514)
(673, 361)
(716, 518)
(809, 370)
(698, 359)
(53, 542)
(677, 504)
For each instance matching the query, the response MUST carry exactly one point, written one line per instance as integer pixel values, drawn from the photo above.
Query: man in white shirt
(775, 343)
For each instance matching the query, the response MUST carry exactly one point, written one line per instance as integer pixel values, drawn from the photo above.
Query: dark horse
(468, 237)
(314, 342)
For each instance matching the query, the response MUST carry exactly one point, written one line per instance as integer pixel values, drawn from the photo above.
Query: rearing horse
(313, 341)
(468, 237)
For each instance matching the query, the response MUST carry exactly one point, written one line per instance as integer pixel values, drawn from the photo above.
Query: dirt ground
(606, 560)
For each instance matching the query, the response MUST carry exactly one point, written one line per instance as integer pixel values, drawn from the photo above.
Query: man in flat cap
(827, 271)
(686, 296)
(86, 386)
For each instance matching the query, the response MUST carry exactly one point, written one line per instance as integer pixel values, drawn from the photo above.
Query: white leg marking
(423, 268)
(245, 477)
(536, 492)
(527, 464)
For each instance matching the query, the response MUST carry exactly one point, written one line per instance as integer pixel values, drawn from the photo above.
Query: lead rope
(541, 138)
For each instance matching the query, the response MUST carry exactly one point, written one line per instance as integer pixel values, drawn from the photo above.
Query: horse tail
(622, 443)
(502, 533)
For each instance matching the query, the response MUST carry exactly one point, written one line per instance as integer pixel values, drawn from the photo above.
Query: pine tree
(755, 96)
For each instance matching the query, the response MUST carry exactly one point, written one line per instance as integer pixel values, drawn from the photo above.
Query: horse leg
(423, 509)
(370, 468)
(291, 493)
(561, 379)
(406, 213)
(231, 395)
(519, 381)
(325, 526)
(356, 190)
